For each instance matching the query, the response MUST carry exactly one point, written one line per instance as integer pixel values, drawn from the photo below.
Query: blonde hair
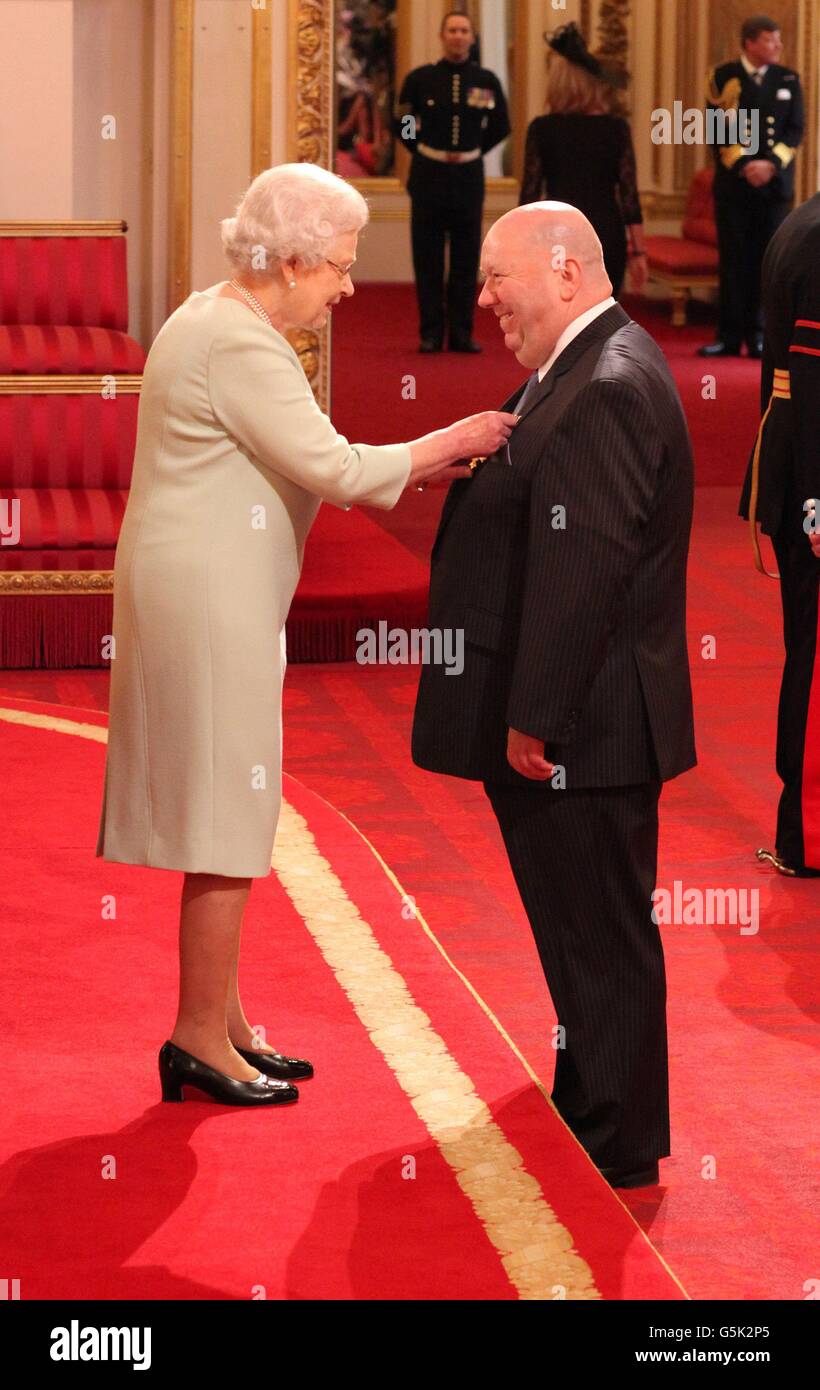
(571, 88)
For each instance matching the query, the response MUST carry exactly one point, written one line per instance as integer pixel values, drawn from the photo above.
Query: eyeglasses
(342, 270)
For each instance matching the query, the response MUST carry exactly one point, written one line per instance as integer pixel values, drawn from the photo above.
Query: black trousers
(585, 864)
(746, 223)
(799, 590)
(432, 223)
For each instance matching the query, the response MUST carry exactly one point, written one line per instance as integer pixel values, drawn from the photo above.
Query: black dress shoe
(467, 345)
(429, 345)
(274, 1064)
(719, 349)
(632, 1177)
(754, 346)
(178, 1068)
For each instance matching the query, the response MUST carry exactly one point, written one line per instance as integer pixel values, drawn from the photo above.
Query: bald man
(563, 559)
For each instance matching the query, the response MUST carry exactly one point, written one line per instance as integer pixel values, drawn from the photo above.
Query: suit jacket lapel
(457, 488)
(603, 327)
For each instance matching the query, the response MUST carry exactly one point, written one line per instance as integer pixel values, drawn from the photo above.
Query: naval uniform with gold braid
(459, 113)
(747, 217)
(783, 474)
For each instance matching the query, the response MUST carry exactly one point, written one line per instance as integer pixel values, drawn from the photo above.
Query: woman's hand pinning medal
(441, 457)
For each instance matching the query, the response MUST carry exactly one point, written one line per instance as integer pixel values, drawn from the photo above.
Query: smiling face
(320, 289)
(765, 49)
(542, 265)
(524, 292)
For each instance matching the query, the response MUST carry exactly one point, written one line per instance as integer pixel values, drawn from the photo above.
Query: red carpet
(355, 574)
(742, 1008)
(108, 1194)
(735, 1214)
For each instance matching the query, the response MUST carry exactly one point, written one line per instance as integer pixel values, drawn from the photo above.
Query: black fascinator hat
(568, 41)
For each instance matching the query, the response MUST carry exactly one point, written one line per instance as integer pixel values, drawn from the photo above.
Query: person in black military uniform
(449, 114)
(754, 190)
(780, 492)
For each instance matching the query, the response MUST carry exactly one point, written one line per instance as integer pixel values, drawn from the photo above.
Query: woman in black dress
(582, 154)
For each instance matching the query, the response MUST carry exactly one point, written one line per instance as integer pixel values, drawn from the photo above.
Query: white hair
(291, 210)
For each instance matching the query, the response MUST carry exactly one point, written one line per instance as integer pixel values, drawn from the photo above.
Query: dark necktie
(529, 391)
(757, 78)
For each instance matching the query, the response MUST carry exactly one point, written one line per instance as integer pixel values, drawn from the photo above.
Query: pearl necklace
(252, 300)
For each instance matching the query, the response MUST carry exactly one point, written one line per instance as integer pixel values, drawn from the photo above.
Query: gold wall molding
(612, 44)
(656, 204)
(688, 85)
(612, 39)
(808, 173)
(657, 95)
(261, 91)
(56, 582)
(585, 22)
(182, 73)
(39, 228)
(310, 140)
(518, 99)
(56, 385)
(143, 294)
(383, 184)
(311, 51)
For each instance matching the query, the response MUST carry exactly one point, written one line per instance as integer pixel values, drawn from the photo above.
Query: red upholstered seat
(699, 219)
(64, 279)
(66, 518)
(691, 259)
(64, 306)
(65, 456)
(66, 437)
(67, 441)
(680, 256)
(40, 349)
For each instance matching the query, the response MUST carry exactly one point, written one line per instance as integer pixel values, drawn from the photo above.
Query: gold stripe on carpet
(535, 1249)
(97, 732)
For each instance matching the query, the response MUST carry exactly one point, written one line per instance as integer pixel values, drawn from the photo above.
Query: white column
(111, 156)
(492, 25)
(221, 129)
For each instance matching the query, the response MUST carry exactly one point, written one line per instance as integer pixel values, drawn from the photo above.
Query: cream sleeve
(261, 396)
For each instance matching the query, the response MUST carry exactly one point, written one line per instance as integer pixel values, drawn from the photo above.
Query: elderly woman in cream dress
(233, 459)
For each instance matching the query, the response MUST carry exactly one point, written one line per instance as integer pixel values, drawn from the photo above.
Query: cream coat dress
(232, 461)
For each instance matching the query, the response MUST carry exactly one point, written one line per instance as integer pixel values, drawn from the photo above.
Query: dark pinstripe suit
(574, 628)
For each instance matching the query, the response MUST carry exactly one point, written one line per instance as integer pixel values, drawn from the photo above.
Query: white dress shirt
(572, 330)
(750, 67)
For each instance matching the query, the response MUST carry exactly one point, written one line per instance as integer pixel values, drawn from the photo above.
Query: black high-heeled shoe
(178, 1068)
(274, 1064)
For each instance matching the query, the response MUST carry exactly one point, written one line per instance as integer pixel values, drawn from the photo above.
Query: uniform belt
(781, 391)
(448, 156)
